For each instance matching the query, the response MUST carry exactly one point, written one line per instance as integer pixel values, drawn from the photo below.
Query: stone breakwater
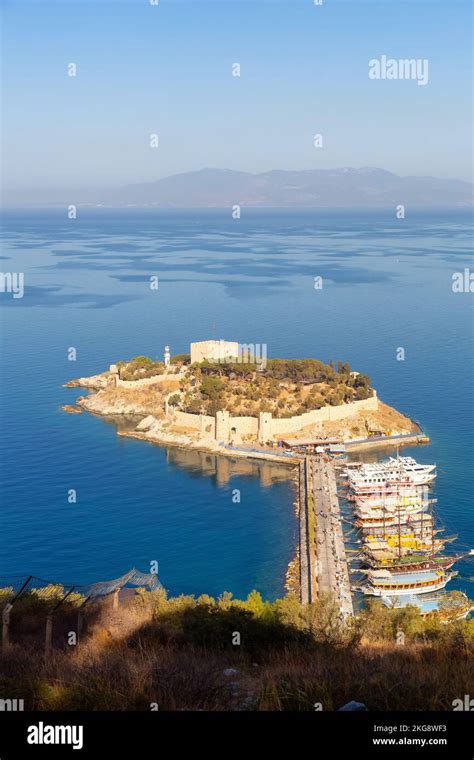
(155, 431)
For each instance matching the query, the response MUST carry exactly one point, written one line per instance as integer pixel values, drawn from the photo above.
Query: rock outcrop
(94, 381)
(147, 423)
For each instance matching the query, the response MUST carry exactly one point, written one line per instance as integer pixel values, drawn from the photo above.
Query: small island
(225, 398)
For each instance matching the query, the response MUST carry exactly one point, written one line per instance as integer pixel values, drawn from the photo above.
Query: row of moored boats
(401, 555)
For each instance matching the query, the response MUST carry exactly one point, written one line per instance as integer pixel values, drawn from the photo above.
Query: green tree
(255, 603)
(211, 387)
(181, 359)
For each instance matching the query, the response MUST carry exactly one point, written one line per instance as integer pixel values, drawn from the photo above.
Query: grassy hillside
(184, 653)
(284, 387)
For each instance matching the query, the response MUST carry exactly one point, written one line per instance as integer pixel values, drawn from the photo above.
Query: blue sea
(387, 284)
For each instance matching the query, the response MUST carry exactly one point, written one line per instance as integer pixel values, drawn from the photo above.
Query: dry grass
(176, 653)
(116, 676)
(147, 399)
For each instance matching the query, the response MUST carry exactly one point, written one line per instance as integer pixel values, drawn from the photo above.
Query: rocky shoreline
(146, 401)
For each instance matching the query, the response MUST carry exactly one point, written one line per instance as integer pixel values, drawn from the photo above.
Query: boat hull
(397, 591)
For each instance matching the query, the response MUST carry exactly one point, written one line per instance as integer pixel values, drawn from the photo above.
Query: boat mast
(432, 527)
(399, 526)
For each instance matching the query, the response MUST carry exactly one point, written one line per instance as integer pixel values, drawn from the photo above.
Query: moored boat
(365, 518)
(413, 526)
(446, 605)
(385, 583)
(391, 547)
(393, 500)
(411, 562)
(399, 472)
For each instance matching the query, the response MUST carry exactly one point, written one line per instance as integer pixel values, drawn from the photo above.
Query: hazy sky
(143, 69)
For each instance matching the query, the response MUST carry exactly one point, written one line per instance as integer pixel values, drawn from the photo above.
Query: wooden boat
(385, 583)
(411, 562)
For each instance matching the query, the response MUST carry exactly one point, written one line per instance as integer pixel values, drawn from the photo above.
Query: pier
(306, 519)
(325, 557)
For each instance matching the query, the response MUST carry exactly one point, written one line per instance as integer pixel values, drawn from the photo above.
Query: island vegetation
(284, 387)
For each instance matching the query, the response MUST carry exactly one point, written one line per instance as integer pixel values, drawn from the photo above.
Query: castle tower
(264, 427)
(222, 426)
(167, 356)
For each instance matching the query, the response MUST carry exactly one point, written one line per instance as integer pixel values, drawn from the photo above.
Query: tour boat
(447, 606)
(400, 471)
(393, 547)
(381, 518)
(375, 483)
(410, 562)
(418, 525)
(393, 499)
(378, 513)
(385, 583)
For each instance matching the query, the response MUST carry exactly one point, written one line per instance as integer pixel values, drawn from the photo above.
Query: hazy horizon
(168, 70)
(236, 170)
(343, 187)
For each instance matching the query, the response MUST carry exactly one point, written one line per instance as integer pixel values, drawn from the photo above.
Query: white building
(214, 351)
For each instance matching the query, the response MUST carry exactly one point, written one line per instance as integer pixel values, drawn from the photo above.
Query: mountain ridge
(209, 187)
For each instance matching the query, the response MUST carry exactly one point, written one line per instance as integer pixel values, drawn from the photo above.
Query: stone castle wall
(205, 424)
(225, 428)
(145, 381)
(283, 426)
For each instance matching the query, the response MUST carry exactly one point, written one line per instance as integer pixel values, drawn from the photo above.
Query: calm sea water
(386, 285)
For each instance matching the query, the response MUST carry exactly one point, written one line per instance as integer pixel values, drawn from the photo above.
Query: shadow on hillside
(185, 655)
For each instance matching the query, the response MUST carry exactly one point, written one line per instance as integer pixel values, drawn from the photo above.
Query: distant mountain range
(223, 188)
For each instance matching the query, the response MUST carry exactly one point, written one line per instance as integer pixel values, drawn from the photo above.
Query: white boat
(408, 508)
(395, 472)
(385, 584)
(410, 465)
(375, 482)
(393, 498)
(378, 518)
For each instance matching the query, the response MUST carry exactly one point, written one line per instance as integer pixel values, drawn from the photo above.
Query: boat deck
(405, 579)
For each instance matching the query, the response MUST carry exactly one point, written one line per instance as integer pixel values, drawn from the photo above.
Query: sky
(167, 70)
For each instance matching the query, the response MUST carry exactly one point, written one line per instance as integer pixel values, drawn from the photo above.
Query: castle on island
(227, 429)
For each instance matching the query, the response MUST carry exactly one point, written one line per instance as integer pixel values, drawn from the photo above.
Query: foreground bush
(226, 654)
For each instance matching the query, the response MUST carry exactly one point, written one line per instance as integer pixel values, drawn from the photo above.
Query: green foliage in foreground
(39, 600)
(210, 622)
(262, 625)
